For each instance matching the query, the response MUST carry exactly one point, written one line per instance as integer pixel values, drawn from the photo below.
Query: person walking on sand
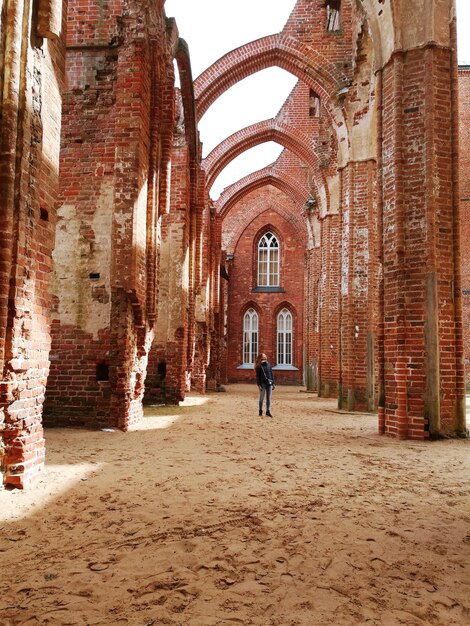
(265, 382)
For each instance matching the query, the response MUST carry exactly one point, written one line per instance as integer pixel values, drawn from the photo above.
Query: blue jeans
(265, 390)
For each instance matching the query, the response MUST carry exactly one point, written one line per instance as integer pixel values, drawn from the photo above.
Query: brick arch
(246, 306)
(181, 55)
(268, 130)
(285, 304)
(267, 176)
(294, 219)
(282, 50)
(266, 228)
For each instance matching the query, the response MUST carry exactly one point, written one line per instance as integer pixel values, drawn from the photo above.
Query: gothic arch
(266, 176)
(236, 228)
(282, 50)
(268, 130)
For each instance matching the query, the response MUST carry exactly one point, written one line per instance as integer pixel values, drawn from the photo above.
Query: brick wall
(421, 316)
(32, 77)
(104, 263)
(243, 282)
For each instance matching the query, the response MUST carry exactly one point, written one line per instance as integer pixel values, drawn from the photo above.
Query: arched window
(333, 8)
(250, 336)
(268, 261)
(284, 337)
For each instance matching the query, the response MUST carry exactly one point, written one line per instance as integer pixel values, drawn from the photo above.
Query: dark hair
(259, 358)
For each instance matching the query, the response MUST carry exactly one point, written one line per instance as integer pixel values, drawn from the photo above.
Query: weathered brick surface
(114, 149)
(358, 286)
(464, 163)
(422, 376)
(32, 77)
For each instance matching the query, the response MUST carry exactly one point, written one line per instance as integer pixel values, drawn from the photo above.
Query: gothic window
(284, 337)
(250, 336)
(314, 104)
(333, 22)
(268, 261)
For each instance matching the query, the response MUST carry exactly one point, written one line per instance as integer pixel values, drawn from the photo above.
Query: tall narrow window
(268, 261)
(333, 22)
(314, 104)
(284, 337)
(250, 336)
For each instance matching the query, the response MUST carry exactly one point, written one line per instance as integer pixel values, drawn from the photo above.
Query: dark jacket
(264, 373)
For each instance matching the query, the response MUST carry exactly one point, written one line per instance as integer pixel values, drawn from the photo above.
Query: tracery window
(333, 21)
(268, 261)
(284, 337)
(250, 336)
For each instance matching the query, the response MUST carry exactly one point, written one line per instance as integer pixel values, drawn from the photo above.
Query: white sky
(214, 27)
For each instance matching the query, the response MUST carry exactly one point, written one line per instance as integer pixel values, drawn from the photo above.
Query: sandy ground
(208, 515)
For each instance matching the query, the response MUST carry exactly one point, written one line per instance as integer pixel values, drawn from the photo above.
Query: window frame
(272, 278)
(285, 338)
(250, 347)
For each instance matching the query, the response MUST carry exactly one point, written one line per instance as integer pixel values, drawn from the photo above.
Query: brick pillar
(30, 103)
(328, 309)
(170, 346)
(130, 334)
(216, 320)
(310, 356)
(422, 343)
(199, 336)
(358, 286)
(203, 300)
(312, 273)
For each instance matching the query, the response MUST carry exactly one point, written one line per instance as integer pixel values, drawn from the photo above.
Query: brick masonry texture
(123, 283)
(464, 171)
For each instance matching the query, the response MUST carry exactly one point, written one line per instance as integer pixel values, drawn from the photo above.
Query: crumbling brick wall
(105, 258)
(32, 57)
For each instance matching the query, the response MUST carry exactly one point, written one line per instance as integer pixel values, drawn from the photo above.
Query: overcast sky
(214, 27)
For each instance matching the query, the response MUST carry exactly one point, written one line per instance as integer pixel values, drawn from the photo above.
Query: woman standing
(265, 381)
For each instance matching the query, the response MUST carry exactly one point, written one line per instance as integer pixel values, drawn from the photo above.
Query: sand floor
(206, 514)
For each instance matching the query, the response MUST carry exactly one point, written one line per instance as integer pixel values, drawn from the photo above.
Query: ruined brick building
(122, 282)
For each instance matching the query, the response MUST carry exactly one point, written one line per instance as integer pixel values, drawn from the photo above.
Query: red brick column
(422, 345)
(205, 305)
(170, 349)
(358, 286)
(213, 372)
(29, 159)
(311, 329)
(328, 372)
